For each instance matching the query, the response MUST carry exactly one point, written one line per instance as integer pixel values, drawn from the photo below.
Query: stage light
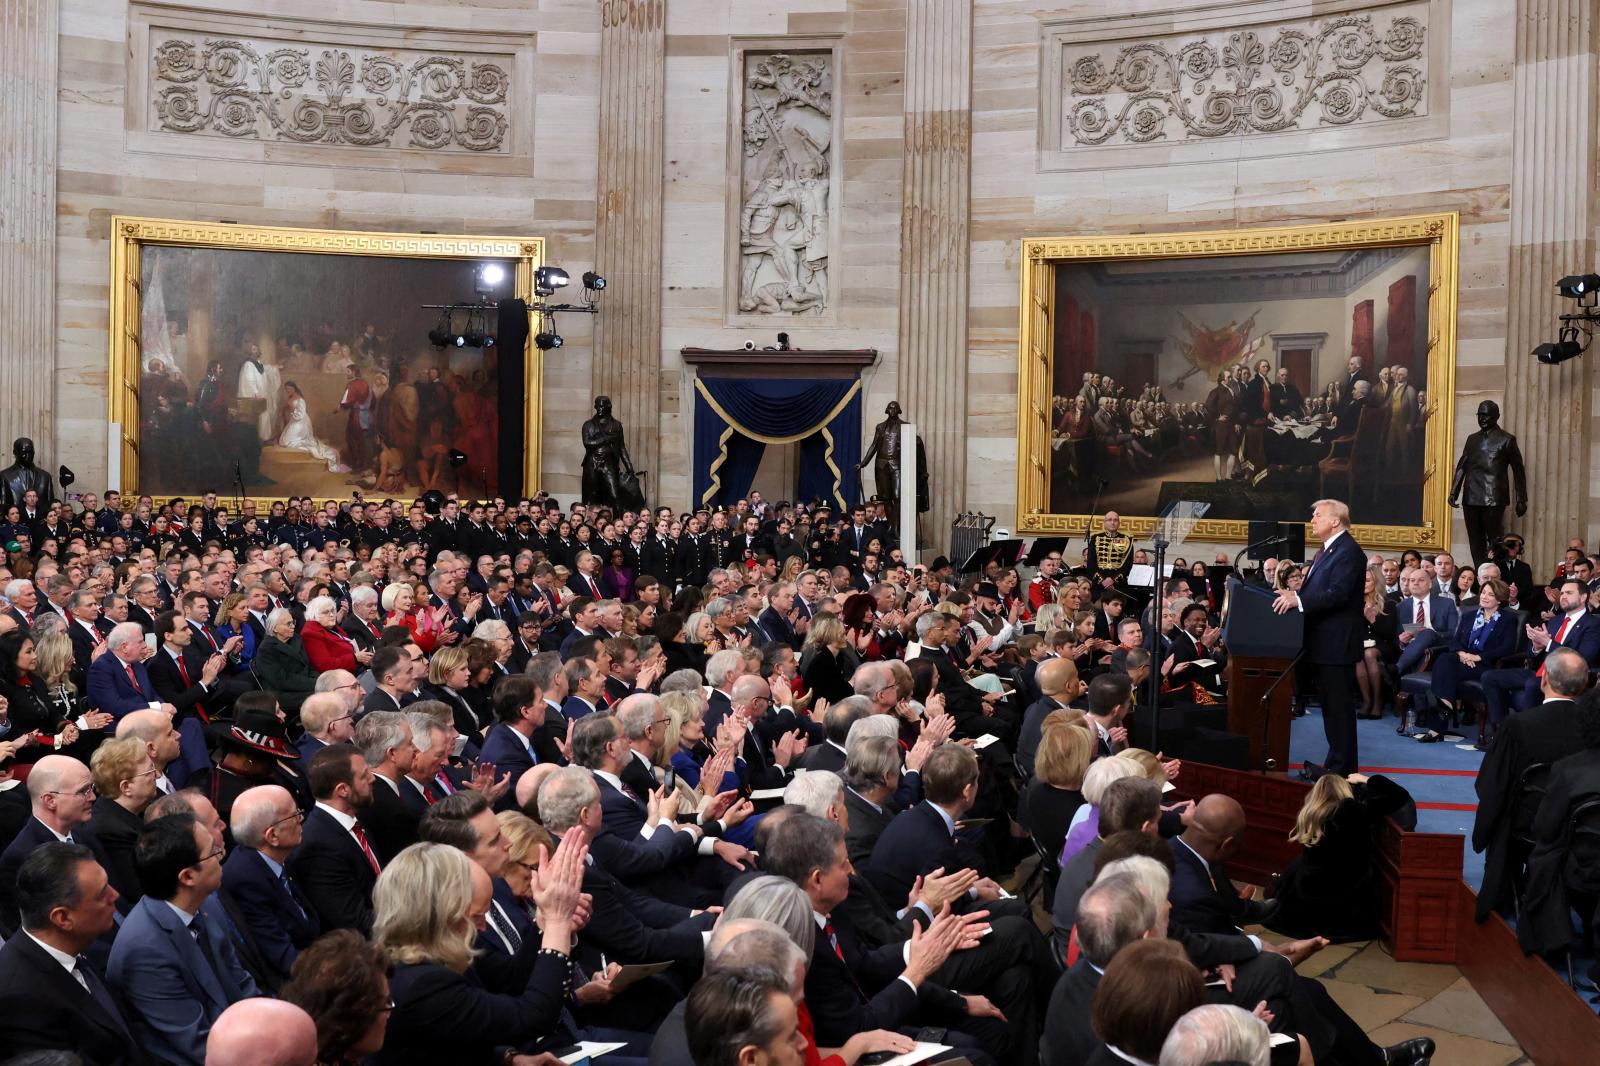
(593, 281)
(546, 341)
(488, 340)
(488, 276)
(440, 335)
(66, 476)
(459, 340)
(546, 280)
(1577, 286)
(458, 459)
(1567, 347)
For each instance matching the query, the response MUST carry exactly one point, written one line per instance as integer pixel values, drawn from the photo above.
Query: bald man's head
(1215, 825)
(262, 1032)
(1054, 674)
(148, 725)
(528, 784)
(56, 773)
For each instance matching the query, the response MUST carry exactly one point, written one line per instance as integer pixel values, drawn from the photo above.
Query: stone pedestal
(1553, 219)
(28, 43)
(936, 180)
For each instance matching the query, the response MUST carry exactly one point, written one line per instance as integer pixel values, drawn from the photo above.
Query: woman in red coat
(327, 647)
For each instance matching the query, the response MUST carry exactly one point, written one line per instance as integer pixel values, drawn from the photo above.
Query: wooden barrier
(1420, 872)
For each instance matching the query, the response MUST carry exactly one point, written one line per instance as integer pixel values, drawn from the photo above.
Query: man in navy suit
(61, 793)
(1332, 597)
(50, 998)
(172, 959)
(1571, 627)
(1437, 614)
(335, 864)
(119, 682)
(519, 706)
(267, 827)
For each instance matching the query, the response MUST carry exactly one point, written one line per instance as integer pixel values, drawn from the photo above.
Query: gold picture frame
(132, 235)
(1041, 258)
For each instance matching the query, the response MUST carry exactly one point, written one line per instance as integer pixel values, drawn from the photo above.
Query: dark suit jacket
(508, 754)
(1199, 904)
(836, 991)
(172, 984)
(169, 684)
(1068, 1036)
(1542, 734)
(1442, 614)
(109, 690)
(1497, 643)
(441, 1016)
(33, 834)
(378, 700)
(43, 1008)
(281, 926)
(357, 631)
(778, 629)
(866, 826)
(390, 821)
(117, 829)
(823, 756)
(334, 873)
(1583, 637)
(1332, 599)
(914, 843)
(632, 927)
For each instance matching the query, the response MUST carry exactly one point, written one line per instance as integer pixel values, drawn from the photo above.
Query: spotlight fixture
(592, 281)
(546, 280)
(458, 458)
(1568, 347)
(440, 336)
(66, 476)
(547, 341)
(1578, 286)
(488, 277)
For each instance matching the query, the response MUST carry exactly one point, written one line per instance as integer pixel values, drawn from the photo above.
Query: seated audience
(1142, 994)
(125, 779)
(342, 981)
(263, 1032)
(1217, 1033)
(281, 920)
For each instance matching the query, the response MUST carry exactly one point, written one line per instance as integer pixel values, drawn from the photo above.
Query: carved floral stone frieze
(1303, 74)
(328, 94)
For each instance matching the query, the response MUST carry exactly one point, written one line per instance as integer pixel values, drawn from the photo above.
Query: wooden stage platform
(1428, 913)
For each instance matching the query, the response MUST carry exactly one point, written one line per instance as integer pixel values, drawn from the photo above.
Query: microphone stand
(1264, 542)
(1266, 702)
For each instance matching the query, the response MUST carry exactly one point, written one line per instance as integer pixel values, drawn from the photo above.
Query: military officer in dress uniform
(1109, 554)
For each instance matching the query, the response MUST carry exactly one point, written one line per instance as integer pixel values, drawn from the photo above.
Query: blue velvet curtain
(736, 418)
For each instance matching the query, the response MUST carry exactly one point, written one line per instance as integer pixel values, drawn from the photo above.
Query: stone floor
(1395, 1001)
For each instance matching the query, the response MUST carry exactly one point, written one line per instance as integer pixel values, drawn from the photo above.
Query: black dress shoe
(1427, 738)
(1311, 771)
(1414, 1052)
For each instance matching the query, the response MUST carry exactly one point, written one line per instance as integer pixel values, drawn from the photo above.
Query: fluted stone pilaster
(628, 199)
(1553, 219)
(28, 66)
(936, 181)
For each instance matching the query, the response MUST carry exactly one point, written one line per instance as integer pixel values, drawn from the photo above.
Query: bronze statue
(22, 475)
(1480, 487)
(608, 474)
(885, 449)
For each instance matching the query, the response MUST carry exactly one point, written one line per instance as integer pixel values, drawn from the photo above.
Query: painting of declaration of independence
(1255, 383)
(311, 373)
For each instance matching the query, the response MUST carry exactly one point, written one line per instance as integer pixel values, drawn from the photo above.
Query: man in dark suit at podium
(1331, 597)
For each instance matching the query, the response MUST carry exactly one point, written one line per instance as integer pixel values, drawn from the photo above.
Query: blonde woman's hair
(226, 607)
(1066, 748)
(791, 569)
(825, 631)
(1051, 616)
(420, 906)
(1375, 598)
(116, 761)
(524, 835)
(680, 708)
(445, 662)
(1326, 795)
(55, 659)
(1149, 766)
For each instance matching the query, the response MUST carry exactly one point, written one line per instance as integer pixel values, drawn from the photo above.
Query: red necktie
(833, 941)
(427, 794)
(375, 630)
(132, 680)
(366, 848)
(593, 588)
(1565, 622)
(183, 672)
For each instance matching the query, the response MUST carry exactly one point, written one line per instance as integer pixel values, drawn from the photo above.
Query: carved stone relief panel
(277, 84)
(787, 132)
(1263, 73)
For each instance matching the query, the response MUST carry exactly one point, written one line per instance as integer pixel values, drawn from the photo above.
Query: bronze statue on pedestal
(608, 475)
(1481, 488)
(22, 475)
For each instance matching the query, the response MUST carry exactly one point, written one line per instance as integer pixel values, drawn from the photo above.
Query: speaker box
(1295, 546)
(511, 341)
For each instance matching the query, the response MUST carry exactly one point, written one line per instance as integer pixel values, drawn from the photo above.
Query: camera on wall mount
(469, 324)
(1577, 327)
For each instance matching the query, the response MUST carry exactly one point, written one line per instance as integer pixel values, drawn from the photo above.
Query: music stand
(1172, 529)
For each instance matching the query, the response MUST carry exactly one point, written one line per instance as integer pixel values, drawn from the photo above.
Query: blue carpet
(1383, 750)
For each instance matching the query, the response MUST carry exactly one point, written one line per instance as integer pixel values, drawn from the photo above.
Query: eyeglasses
(297, 816)
(388, 1004)
(145, 773)
(208, 856)
(528, 866)
(82, 793)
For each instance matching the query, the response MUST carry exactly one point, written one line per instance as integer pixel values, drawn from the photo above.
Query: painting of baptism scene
(313, 373)
(1255, 383)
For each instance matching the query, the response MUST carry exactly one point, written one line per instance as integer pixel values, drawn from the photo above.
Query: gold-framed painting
(1254, 370)
(300, 361)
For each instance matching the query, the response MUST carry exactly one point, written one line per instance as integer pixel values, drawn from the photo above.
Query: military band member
(1109, 554)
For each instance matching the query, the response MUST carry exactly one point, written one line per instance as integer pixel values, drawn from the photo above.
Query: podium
(1262, 647)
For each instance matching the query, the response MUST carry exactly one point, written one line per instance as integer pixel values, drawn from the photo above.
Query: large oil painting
(1256, 381)
(269, 371)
